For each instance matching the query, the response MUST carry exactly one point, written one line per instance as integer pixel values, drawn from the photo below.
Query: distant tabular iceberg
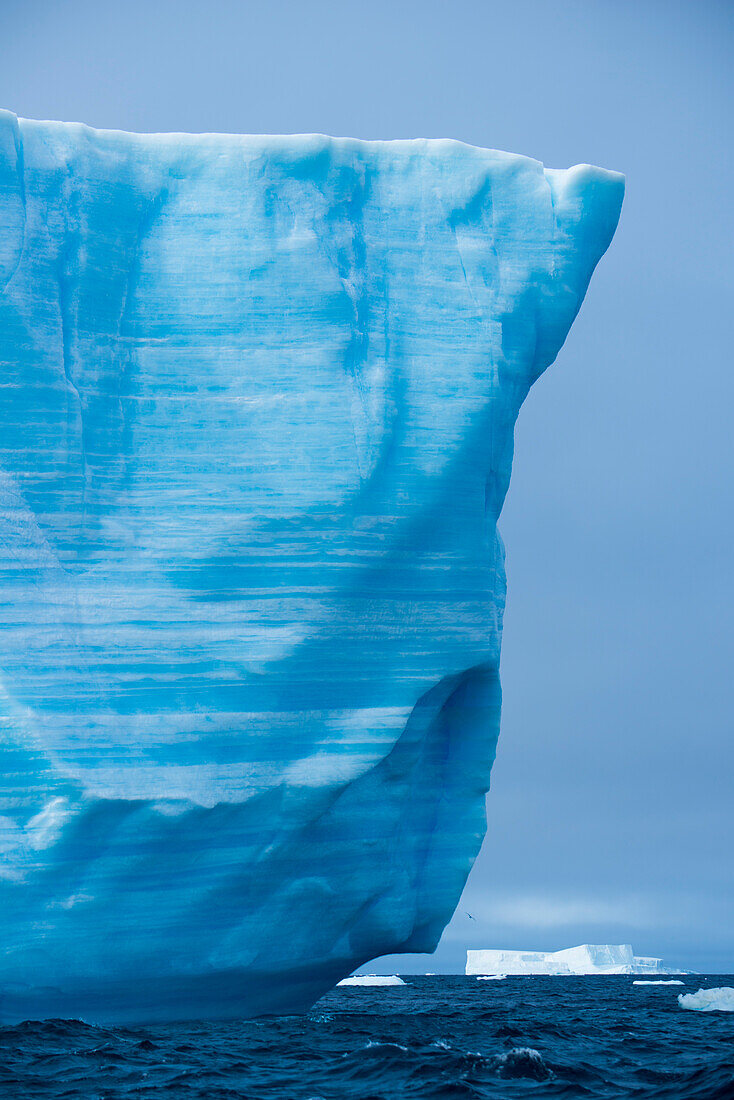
(257, 400)
(662, 981)
(588, 958)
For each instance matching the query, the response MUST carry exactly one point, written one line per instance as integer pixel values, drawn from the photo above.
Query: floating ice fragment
(372, 979)
(674, 981)
(719, 999)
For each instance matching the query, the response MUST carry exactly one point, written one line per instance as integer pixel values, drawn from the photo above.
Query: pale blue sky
(612, 812)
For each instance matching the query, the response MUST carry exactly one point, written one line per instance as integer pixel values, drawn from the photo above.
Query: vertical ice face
(257, 398)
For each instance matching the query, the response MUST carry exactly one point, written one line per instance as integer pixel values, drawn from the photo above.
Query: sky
(611, 813)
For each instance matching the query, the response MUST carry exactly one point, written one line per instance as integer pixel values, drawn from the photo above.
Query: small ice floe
(372, 979)
(674, 981)
(709, 1000)
(491, 977)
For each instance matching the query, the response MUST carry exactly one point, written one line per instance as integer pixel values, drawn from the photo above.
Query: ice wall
(257, 398)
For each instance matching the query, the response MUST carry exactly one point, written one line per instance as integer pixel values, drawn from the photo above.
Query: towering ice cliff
(257, 398)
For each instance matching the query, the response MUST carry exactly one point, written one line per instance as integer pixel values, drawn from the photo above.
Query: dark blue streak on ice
(257, 399)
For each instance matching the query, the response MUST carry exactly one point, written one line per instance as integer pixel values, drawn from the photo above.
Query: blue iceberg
(257, 398)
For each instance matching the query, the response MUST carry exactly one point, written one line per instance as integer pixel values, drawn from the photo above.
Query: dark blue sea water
(438, 1037)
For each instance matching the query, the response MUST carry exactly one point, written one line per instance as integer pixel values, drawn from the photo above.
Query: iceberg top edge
(312, 142)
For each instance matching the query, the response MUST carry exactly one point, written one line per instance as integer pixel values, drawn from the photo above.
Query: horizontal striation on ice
(257, 398)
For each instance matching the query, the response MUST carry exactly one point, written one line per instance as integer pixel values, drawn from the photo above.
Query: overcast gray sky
(611, 815)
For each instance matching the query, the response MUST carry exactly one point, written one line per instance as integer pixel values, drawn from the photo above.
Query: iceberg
(257, 398)
(586, 959)
(720, 999)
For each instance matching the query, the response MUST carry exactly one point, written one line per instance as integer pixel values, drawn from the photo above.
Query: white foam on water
(523, 1062)
(491, 977)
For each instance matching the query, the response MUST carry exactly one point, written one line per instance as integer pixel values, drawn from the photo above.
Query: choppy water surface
(437, 1037)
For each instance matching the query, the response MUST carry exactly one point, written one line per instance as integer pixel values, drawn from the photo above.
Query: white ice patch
(373, 728)
(44, 829)
(709, 1000)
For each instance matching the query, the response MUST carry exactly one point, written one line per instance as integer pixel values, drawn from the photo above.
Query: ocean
(436, 1037)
